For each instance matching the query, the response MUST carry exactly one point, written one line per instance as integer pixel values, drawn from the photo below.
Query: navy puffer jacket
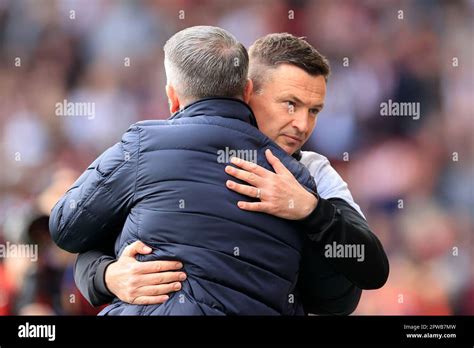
(164, 184)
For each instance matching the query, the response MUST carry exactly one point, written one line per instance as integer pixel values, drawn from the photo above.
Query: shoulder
(326, 177)
(329, 182)
(315, 162)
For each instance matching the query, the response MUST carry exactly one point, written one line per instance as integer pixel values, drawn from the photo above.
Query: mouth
(293, 138)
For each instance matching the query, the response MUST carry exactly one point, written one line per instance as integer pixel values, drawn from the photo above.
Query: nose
(301, 121)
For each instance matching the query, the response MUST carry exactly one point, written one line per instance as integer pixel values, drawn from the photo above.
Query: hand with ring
(280, 193)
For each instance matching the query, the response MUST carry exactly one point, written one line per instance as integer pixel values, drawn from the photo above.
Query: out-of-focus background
(413, 178)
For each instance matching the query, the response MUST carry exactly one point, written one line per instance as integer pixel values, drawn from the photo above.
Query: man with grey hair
(204, 62)
(164, 183)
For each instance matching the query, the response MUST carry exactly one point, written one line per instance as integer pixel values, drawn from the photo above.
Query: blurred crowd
(412, 178)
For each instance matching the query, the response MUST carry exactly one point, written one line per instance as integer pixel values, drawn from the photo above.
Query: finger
(150, 300)
(248, 177)
(253, 206)
(157, 290)
(160, 278)
(157, 266)
(276, 163)
(137, 247)
(243, 189)
(250, 167)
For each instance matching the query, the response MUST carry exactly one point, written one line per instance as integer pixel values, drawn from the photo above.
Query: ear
(173, 100)
(248, 90)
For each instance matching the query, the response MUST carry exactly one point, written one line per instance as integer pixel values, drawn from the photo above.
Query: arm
(324, 291)
(100, 277)
(324, 221)
(97, 204)
(335, 222)
(338, 219)
(89, 271)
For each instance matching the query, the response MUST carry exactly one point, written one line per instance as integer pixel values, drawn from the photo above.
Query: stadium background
(412, 178)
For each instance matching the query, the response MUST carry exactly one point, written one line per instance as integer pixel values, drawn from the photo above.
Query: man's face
(287, 106)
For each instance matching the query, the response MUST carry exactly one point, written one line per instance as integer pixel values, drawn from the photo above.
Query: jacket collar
(218, 106)
(224, 107)
(297, 155)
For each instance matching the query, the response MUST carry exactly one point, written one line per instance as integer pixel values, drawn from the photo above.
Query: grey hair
(205, 61)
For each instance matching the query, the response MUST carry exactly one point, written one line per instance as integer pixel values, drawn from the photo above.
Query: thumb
(275, 163)
(136, 247)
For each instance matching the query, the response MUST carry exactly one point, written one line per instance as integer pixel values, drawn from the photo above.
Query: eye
(291, 106)
(314, 112)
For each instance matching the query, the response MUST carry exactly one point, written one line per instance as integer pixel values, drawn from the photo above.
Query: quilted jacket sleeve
(99, 201)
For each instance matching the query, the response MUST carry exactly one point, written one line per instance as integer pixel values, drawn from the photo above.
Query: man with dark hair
(282, 66)
(164, 184)
(289, 78)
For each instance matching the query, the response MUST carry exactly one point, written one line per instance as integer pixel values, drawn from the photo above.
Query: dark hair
(274, 49)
